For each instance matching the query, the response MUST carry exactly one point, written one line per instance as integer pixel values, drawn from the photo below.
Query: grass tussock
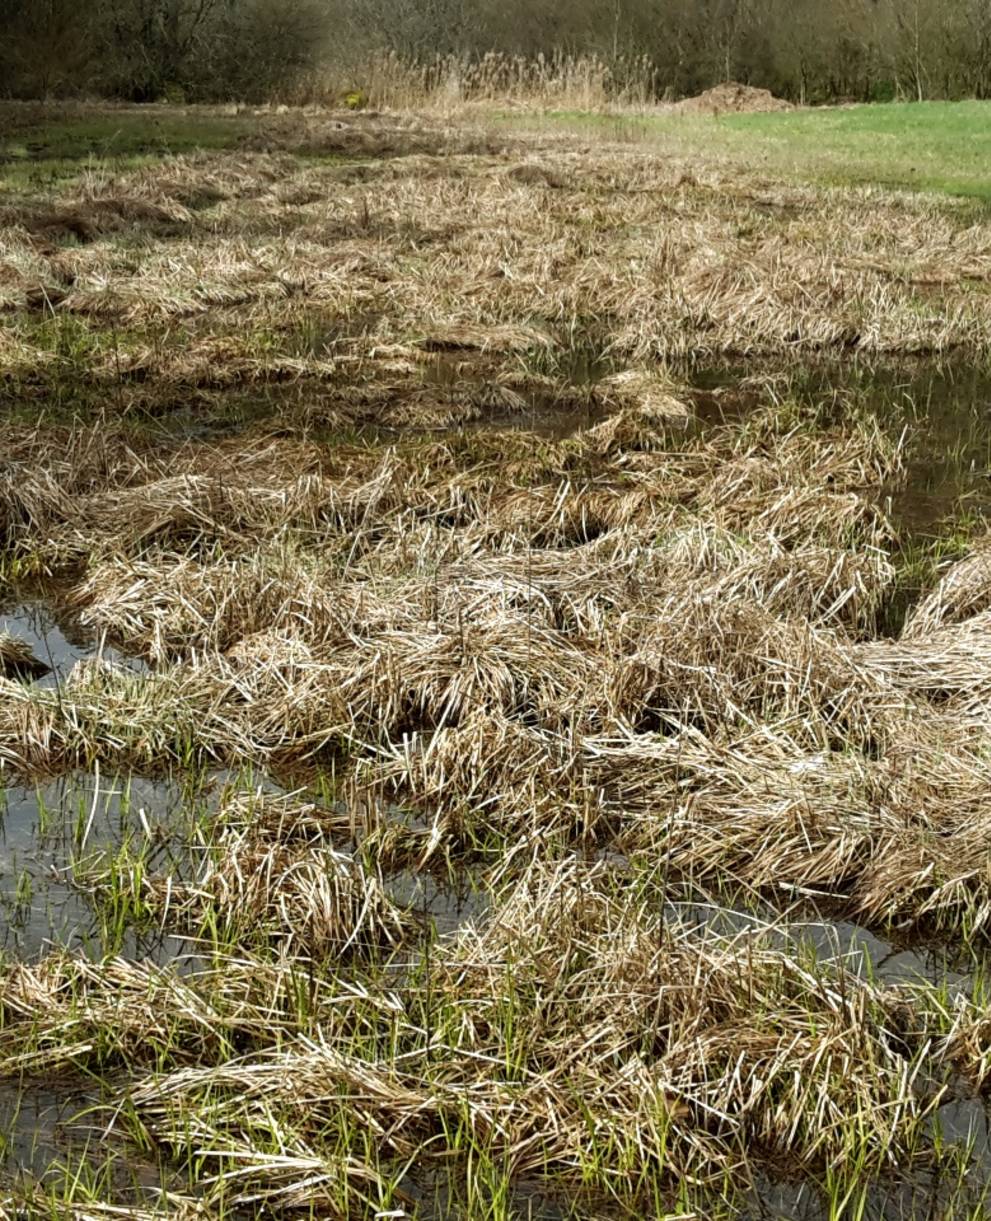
(961, 596)
(271, 867)
(688, 1046)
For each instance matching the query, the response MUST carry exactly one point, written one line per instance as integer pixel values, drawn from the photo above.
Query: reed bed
(376, 465)
(447, 83)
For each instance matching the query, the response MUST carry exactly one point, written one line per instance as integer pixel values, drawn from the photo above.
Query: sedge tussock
(717, 664)
(652, 394)
(788, 494)
(271, 871)
(857, 456)
(896, 841)
(175, 600)
(37, 1202)
(950, 660)
(435, 678)
(632, 429)
(626, 567)
(186, 507)
(66, 1010)
(290, 652)
(47, 471)
(964, 1026)
(212, 503)
(87, 219)
(962, 592)
(171, 604)
(562, 515)
(99, 711)
(615, 1020)
(828, 272)
(495, 339)
(487, 778)
(825, 585)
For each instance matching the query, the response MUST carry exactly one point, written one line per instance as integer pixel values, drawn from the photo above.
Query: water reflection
(57, 641)
(45, 828)
(942, 409)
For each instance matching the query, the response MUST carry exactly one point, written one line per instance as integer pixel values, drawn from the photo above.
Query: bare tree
(809, 50)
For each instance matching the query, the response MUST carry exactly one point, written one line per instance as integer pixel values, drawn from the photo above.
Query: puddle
(57, 641)
(50, 1134)
(837, 943)
(35, 1120)
(966, 1121)
(925, 1195)
(448, 906)
(945, 409)
(50, 830)
(436, 1196)
(43, 827)
(228, 780)
(867, 955)
(950, 442)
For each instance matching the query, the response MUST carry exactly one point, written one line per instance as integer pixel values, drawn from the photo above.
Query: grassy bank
(942, 147)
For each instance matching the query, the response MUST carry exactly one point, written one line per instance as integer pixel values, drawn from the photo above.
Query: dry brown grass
(491, 255)
(706, 1047)
(506, 587)
(271, 867)
(64, 1006)
(963, 592)
(17, 659)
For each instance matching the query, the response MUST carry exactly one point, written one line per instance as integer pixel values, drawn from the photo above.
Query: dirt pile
(733, 98)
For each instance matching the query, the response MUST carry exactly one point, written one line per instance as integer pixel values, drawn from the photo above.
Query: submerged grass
(514, 609)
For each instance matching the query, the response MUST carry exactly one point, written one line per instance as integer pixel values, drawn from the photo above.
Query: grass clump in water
(516, 604)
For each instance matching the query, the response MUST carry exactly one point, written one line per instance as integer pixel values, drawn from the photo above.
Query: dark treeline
(145, 50)
(806, 50)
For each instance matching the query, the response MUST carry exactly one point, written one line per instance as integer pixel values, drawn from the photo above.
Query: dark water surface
(57, 640)
(943, 409)
(48, 827)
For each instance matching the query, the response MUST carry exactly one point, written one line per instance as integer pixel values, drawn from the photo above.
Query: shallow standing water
(49, 828)
(57, 640)
(946, 411)
(943, 408)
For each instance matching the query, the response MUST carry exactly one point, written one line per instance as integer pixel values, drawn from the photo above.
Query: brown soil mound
(733, 98)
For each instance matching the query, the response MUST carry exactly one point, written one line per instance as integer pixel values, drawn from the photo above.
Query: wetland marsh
(495, 666)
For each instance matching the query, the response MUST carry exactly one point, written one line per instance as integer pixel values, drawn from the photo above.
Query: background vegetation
(213, 50)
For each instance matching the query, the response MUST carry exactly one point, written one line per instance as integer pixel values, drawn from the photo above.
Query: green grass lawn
(113, 132)
(931, 146)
